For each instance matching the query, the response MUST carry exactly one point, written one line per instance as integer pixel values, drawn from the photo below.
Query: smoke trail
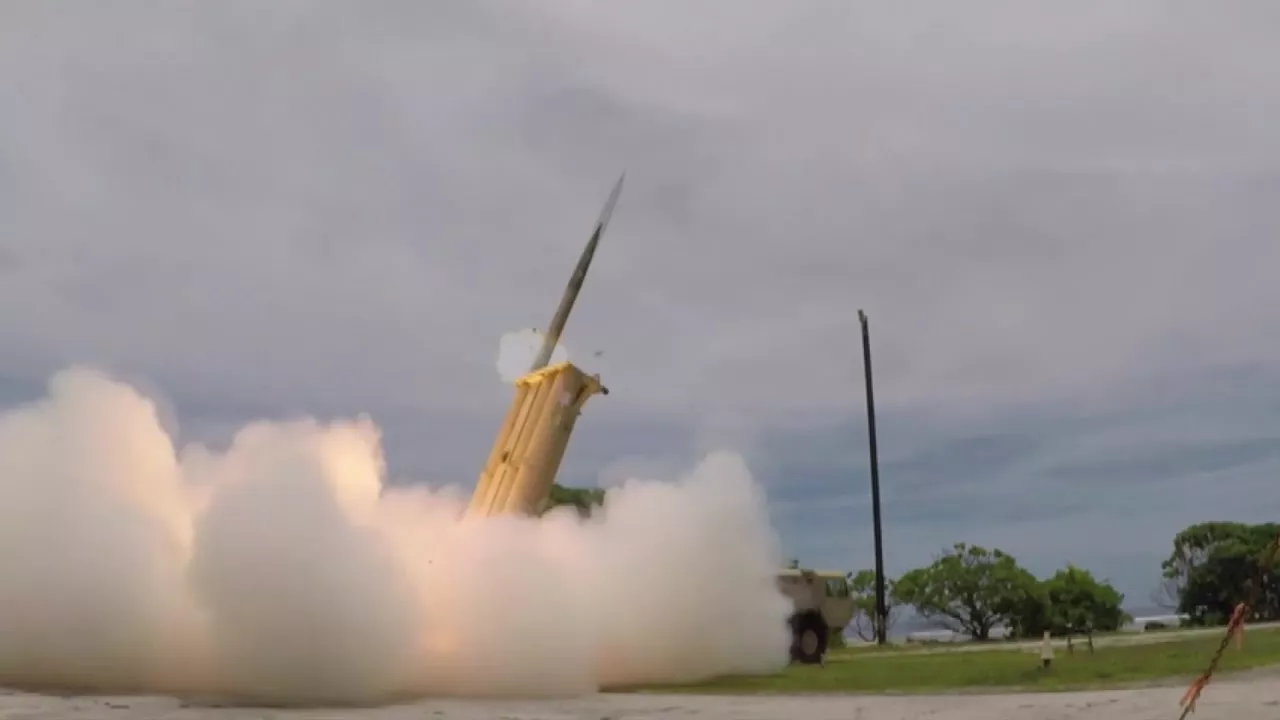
(282, 570)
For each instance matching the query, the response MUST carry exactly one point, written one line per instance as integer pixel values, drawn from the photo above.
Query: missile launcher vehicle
(522, 465)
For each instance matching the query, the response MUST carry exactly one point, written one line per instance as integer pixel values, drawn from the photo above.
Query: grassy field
(870, 670)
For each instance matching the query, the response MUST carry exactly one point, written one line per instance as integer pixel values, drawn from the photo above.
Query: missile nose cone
(609, 204)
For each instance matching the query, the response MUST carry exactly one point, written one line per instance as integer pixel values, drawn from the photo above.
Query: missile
(558, 321)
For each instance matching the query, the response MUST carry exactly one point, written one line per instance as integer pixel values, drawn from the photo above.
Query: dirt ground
(1253, 698)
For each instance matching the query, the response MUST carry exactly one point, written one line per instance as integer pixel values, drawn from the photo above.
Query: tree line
(974, 590)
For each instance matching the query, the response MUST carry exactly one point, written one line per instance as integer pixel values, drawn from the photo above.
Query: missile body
(558, 321)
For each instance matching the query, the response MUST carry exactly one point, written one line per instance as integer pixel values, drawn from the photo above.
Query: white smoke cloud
(283, 570)
(517, 350)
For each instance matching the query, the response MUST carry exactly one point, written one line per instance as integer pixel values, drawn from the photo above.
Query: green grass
(864, 670)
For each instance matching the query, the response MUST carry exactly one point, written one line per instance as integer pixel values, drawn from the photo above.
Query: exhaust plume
(283, 570)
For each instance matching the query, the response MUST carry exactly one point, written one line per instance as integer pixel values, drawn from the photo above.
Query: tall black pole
(882, 612)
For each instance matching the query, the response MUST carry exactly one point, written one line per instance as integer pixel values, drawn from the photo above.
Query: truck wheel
(809, 637)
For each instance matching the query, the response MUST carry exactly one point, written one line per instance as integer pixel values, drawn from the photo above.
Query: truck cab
(822, 605)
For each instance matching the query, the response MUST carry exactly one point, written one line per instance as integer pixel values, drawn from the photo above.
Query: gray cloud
(1053, 219)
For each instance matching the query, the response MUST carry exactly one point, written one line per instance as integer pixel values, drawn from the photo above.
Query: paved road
(1255, 698)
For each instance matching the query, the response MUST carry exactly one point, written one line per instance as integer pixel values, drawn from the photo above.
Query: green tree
(1192, 546)
(1213, 566)
(1079, 604)
(584, 499)
(862, 588)
(1029, 616)
(968, 589)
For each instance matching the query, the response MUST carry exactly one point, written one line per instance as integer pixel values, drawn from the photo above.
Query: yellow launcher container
(526, 455)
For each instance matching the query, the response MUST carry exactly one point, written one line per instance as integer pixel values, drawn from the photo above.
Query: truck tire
(809, 637)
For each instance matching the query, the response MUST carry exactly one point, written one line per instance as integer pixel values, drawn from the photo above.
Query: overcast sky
(1062, 224)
